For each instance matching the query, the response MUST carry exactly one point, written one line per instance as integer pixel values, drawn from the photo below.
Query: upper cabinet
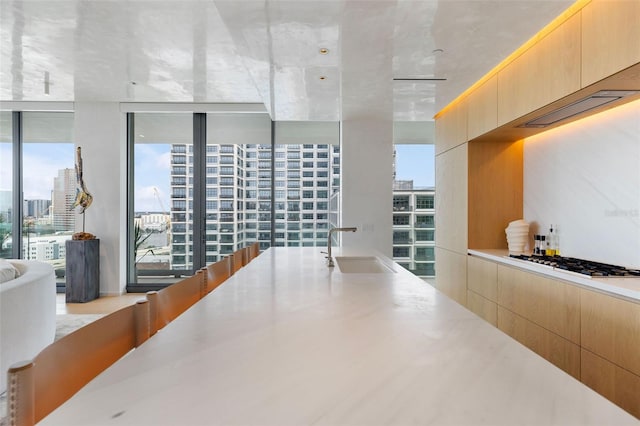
(451, 128)
(546, 72)
(482, 108)
(610, 38)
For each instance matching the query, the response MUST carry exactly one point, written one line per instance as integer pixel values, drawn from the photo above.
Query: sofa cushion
(8, 272)
(20, 266)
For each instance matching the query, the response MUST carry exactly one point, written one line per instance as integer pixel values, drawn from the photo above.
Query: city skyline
(413, 162)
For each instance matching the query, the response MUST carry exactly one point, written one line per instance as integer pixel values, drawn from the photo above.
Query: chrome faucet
(330, 261)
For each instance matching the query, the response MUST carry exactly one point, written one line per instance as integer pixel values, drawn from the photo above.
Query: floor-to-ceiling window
(414, 209)
(206, 185)
(162, 196)
(6, 183)
(47, 181)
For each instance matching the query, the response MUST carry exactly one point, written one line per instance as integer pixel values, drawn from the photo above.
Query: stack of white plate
(517, 236)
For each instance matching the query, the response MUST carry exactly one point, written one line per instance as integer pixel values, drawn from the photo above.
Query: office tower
(239, 200)
(414, 228)
(64, 194)
(36, 208)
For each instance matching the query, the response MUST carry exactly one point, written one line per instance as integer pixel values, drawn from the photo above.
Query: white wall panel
(585, 177)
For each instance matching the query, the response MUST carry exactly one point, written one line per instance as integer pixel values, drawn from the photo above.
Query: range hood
(580, 106)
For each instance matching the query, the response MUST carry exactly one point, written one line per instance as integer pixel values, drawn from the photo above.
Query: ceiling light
(595, 100)
(437, 51)
(324, 51)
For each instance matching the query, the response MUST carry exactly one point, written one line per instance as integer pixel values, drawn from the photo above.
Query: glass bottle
(550, 250)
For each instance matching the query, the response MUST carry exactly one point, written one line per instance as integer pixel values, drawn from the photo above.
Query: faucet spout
(331, 231)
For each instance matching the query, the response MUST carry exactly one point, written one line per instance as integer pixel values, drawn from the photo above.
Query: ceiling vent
(595, 100)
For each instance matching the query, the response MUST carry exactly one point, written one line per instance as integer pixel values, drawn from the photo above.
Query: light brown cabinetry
(451, 274)
(482, 108)
(546, 72)
(451, 128)
(482, 289)
(546, 302)
(557, 350)
(592, 336)
(611, 329)
(542, 314)
(495, 191)
(611, 381)
(610, 38)
(451, 175)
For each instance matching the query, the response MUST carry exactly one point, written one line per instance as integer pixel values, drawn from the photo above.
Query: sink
(362, 265)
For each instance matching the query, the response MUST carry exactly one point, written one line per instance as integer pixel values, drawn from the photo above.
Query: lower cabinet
(557, 350)
(592, 336)
(482, 289)
(611, 381)
(484, 308)
(549, 303)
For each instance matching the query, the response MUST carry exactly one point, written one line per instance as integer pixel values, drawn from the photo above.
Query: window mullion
(17, 201)
(199, 238)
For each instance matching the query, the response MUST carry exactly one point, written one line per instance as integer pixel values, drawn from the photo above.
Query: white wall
(585, 177)
(99, 131)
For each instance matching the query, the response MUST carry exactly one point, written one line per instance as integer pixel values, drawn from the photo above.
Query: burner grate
(581, 266)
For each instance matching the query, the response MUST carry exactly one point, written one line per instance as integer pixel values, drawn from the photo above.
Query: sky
(152, 170)
(416, 162)
(41, 164)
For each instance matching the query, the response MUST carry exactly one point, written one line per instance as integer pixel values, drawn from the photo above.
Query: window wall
(413, 208)
(6, 184)
(162, 196)
(225, 185)
(46, 218)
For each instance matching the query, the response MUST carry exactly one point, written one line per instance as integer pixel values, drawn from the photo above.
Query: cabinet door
(555, 349)
(482, 277)
(610, 38)
(451, 199)
(614, 383)
(451, 128)
(451, 275)
(543, 74)
(611, 329)
(482, 109)
(484, 308)
(548, 303)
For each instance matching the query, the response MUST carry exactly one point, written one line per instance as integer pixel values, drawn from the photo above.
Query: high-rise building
(238, 198)
(64, 194)
(414, 229)
(36, 208)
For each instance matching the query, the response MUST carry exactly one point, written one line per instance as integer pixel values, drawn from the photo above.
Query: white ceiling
(258, 51)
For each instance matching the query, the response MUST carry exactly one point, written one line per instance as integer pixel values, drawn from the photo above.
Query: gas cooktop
(580, 266)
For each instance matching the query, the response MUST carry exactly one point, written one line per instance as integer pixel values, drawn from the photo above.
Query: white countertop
(288, 341)
(625, 288)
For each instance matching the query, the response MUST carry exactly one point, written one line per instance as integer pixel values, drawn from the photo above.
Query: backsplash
(584, 178)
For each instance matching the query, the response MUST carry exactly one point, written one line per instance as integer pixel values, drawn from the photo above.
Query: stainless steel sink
(362, 265)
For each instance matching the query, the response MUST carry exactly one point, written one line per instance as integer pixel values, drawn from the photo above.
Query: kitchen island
(289, 341)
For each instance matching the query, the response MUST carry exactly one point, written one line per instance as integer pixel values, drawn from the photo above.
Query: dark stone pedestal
(83, 270)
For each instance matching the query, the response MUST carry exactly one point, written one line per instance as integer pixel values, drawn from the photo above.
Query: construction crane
(164, 211)
(157, 194)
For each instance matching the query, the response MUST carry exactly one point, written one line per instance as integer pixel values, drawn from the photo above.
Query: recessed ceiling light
(437, 51)
(324, 51)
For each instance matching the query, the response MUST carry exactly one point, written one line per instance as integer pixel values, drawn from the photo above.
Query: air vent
(595, 100)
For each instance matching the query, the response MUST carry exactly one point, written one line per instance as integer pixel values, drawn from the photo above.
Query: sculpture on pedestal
(83, 198)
